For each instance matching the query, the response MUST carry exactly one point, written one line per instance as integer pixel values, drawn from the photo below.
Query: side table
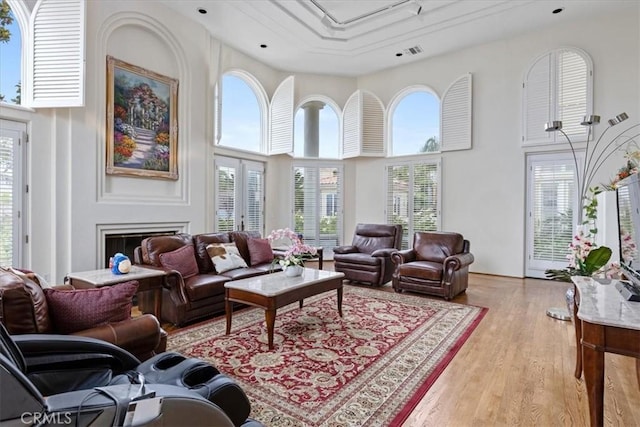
(149, 280)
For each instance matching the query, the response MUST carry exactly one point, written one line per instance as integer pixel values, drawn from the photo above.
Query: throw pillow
(183, 260)
(260, 251)
(80, 309)
(225, 256)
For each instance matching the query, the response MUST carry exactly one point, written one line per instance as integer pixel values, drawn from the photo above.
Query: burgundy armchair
(368, 258)
(438, 264)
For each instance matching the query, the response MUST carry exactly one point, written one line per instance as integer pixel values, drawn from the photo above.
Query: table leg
(340, 301)
(301, 302)
(157, 303)
(320, 258)
(594, 381)
(228, 309)
(270, 317)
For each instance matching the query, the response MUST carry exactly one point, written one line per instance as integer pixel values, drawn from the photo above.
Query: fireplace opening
(127, 242)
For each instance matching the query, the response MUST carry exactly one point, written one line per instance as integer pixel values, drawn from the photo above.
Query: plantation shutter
(56, 72)
(254, 196)
(573, 84)
(413, 198)
(456, 115)
(11, 188)
(551, 204)
(363, 126)
(351, 126)
(398, 199)
(538, 100)
(306, 202)
(281, 118)
(558, 86)
(225, 197)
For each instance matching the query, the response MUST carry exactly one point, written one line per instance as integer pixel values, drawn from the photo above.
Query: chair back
(152, 247)
(436, 246)
(23, 305)
(371, 237)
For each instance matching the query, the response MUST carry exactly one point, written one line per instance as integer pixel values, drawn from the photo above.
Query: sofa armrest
(454, 263)
(139, 335)
(345, 250)
(384, 252)
(401, 257)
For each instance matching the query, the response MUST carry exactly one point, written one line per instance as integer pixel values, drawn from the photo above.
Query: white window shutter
(538, 100)
(351, 126)
(281, 118)
(372, 126)
(573, 82)
(456, 116)
(363, 126)
(57, 62)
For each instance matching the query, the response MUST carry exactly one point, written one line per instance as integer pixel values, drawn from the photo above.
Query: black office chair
(88, 382)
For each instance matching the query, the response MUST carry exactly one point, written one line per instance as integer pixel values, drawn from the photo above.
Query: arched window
(11, 54)
(317, 129)
(243, 107)
(414, 122)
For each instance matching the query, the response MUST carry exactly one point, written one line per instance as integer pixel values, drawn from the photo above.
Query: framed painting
(142, 123)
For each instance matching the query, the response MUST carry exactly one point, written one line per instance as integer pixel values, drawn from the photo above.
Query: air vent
(413, 50)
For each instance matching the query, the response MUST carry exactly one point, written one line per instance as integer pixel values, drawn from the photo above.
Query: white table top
(602, 304)
(274, 284)
(106, 277)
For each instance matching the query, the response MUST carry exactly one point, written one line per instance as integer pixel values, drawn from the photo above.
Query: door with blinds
(551, 204)
(239, 195)
(317, 205)
(413, 198)
(12, 188)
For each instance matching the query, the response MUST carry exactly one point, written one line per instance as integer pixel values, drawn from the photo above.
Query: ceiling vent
(415, 50)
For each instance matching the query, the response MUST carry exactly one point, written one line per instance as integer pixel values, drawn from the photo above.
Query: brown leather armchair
(368, 258)
(24, 310)
(438, 264)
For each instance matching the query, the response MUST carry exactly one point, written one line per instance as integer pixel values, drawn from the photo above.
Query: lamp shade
(553, 126)
(618, 119)
(590, 120)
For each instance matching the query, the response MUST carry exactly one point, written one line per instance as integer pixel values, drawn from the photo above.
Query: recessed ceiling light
(264, 46)
(202, 10)
(399, 54)
(558, 10)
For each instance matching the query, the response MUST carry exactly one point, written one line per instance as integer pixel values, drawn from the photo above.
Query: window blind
(572, 92)
(225, 198)
(254, 216)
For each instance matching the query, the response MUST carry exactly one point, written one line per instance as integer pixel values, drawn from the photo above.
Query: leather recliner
(88, 382)
(437, 264)
(368, 258)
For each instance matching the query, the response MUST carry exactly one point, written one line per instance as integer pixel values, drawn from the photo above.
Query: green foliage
(5, 20)
(595, 260)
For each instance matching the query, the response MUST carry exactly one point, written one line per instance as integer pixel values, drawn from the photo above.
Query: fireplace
(124, 238)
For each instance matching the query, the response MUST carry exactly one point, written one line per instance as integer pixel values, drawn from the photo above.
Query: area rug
(369, 368)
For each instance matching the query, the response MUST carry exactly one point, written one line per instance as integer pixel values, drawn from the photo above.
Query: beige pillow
(225, 256)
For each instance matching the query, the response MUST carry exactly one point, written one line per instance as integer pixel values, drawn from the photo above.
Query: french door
(551, 203)
(12, 189)
(239, 195)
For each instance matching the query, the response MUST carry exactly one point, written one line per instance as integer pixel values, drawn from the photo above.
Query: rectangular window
(413, 197)
(317, 204)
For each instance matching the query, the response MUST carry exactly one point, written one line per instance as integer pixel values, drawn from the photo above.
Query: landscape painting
(142, 129)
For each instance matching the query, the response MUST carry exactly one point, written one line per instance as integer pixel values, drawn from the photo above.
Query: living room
(73, 203)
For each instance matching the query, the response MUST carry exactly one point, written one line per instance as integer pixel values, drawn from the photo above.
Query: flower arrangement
(297, 252)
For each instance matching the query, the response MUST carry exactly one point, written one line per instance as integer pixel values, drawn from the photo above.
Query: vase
(293, 270)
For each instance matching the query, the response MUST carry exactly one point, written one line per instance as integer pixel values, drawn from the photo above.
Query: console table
(148, 280)
(604, 322)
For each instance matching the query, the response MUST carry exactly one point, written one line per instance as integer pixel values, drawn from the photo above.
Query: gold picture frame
(142, 122)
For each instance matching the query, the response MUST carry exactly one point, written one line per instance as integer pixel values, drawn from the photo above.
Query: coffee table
(273, 291)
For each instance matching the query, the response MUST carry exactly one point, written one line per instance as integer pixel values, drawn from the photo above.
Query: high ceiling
(357, 37)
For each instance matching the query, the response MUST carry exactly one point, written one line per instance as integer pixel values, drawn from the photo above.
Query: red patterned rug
(369, 368)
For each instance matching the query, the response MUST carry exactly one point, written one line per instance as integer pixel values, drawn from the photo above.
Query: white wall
(483, 188)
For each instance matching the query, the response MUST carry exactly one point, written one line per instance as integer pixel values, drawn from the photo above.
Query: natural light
(10, 58)
(240, 115)
(416, 124)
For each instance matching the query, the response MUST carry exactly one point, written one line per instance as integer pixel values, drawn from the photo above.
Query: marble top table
(604, 322)
(148, 280)
(275, 290)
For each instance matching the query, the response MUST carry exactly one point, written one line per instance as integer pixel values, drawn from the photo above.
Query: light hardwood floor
(517, 367)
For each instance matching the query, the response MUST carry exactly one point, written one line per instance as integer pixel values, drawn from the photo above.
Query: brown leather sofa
(368, 258)
(202, 295)
(24, 310)
(437, 264)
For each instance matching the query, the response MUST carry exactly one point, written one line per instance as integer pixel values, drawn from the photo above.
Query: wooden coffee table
(275, 290)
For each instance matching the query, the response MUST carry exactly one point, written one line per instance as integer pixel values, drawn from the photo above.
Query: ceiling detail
(358, 37)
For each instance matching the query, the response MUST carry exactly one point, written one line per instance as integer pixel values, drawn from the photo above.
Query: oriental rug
(369, 368)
